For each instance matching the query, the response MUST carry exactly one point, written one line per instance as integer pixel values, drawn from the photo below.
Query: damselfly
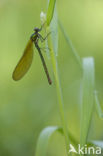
(26, 60)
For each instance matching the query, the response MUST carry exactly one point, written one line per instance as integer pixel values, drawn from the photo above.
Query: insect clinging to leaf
(27, 57)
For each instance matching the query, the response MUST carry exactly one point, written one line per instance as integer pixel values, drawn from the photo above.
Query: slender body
(26, 60)
(44, 64)
(35, 38)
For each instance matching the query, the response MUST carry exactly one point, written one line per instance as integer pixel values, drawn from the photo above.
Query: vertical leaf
(87, 98)
(50, 11)
(54, 31)
(98, 106)
(69, 42)
(54, 34)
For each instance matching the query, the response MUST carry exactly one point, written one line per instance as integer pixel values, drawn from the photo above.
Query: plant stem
(59, 91)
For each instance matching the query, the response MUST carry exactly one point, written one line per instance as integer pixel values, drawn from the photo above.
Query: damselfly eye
(36, 29)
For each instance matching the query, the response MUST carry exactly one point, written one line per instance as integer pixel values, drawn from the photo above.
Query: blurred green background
(29, 105)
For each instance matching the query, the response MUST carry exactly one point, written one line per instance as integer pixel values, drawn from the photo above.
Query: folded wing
(24, 63)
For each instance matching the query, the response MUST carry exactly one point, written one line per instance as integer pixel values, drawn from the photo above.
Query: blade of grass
(59, 92)
(43, 140)
(98, 107)
(45, 135)
(69, 42)
(56, 75)
(50, 11)
(87, 98)
(55, 70)
(54, 31)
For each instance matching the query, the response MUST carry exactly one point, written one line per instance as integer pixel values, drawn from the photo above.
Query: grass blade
(87, 98)
(98, 106)
(50, 11)
(43, 140)
(59, 92)
(54, 34)
(54, 31)
(44, 137)
(57, 82)
(75, 54)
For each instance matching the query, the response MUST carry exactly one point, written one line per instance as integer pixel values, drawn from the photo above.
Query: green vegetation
(31, 110)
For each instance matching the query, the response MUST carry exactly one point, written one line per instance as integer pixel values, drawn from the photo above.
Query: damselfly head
(36, 29)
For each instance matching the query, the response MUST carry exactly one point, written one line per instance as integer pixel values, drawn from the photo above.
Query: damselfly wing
(24, 63)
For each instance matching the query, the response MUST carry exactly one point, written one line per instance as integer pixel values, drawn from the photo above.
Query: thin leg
(43, 39)
(42, 26)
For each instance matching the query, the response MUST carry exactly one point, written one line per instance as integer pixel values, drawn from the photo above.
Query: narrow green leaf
(54, 31)
(44, 137)
(87, 98)
(43, 140)
(55, 70)
(54, 34)
(50, 11)
(59, 90)
(69, 42)
(71, 137)
(98, 106)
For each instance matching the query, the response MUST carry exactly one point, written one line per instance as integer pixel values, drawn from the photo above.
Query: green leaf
(43, 140)
(98, 106)
(58, 89)
(54, 34)
(69, 42)
(44, 137)
(50, 11)
(87, 98)
(54, 31)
